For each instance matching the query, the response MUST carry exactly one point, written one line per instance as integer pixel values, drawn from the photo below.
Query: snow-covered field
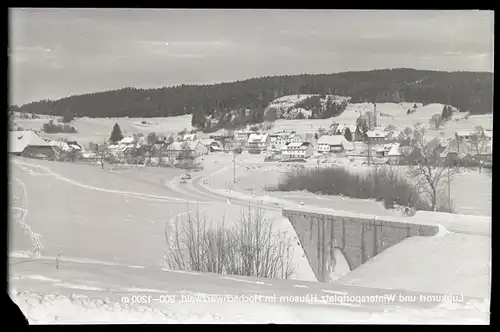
(397, 116)
(97, 130)
(421, 262)
(79, 292)
(107, 226)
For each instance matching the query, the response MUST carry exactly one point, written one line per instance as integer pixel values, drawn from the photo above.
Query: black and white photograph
(250, 166)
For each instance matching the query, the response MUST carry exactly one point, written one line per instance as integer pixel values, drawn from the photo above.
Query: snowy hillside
(94, 293)
(306, 106)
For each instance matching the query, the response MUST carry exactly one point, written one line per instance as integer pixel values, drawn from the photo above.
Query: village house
(382, 151)
(396, 135)
(488, 134)
(222, 134)
(212, 145)
(258, 142)
(159, 149)
(377, 136)
(242, 135)
(190, 149)
(334, 143)
(281, 139)
(464, 135)
(396, 155)
(67, 146)
(460, 150)
(28, 144)
(189, 138)
(297, 150)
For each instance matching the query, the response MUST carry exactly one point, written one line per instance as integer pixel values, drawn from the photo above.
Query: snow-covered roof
(127, 140)
(488, 133)
(208, 141)
(256, 138)
(189, 137)
(395, 151)
(19, 140)
(294, 145)
(462, 133)
(396, 133)
(178, 146)
(377, 133)
(332, 140)
(461, 149)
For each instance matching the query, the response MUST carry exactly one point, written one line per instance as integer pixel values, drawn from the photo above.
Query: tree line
(467, 91)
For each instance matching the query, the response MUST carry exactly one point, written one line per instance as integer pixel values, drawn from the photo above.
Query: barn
(28, 144)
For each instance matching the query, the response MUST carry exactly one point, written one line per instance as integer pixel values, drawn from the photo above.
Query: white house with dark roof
(333, 143)
(297, 150)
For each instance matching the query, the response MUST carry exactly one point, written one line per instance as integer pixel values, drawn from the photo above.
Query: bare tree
(430, 172)
(102, 154)
(408, 131)
(223, 142)
(370, 119)
(478, 140)
(390, 128)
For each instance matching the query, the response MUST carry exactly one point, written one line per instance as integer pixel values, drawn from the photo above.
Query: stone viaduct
(360, 237)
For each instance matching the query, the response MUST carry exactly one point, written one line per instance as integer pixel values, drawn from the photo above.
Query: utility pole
(234, 167)
(375, 115)
(449, 190)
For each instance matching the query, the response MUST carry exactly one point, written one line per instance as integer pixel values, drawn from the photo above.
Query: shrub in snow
(250, 248)
(381, 183)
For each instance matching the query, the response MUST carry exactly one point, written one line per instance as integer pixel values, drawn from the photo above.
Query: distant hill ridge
(242, 102)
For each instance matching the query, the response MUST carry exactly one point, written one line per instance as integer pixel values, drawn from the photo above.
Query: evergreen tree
(348, 134)
(116, 134)
(152, 138)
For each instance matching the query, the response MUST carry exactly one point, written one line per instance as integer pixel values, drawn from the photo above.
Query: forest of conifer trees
(468, 91)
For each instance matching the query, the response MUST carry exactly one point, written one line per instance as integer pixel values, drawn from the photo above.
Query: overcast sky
(58, 52)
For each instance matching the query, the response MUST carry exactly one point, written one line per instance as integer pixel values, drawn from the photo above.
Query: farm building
(298, 150)
(28, 144)
(334, 143)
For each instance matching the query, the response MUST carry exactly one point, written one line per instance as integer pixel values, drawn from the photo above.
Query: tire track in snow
(34, 237)
(120, 192)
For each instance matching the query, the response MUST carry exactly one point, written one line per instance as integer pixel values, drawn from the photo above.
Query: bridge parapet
(357, 237)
